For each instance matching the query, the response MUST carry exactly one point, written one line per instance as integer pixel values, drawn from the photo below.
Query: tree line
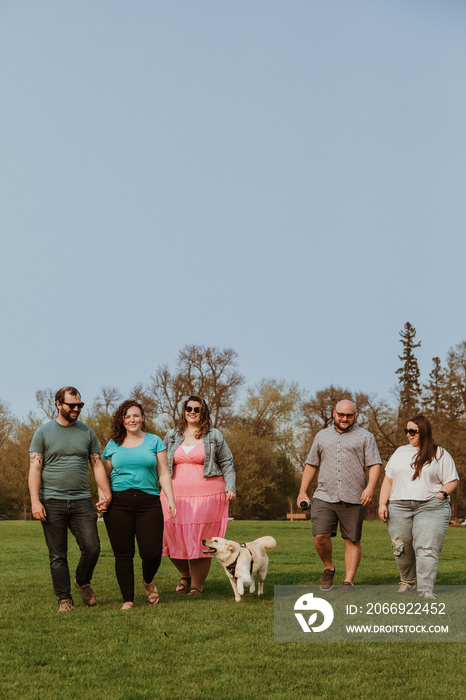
(270, 431)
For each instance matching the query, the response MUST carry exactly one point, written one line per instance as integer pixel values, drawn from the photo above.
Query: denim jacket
(218, 458)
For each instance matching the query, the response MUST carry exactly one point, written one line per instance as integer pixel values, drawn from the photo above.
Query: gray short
(326, 516)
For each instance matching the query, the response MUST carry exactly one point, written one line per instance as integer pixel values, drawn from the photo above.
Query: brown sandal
(152, 593)
(183, 587)
(127, 606)
(195, 591)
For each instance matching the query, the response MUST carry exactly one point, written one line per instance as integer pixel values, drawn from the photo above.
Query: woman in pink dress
(203, 477)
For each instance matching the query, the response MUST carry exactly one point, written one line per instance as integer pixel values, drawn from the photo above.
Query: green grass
(206, 646)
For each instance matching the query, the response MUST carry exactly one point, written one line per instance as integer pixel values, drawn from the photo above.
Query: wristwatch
(445, 494)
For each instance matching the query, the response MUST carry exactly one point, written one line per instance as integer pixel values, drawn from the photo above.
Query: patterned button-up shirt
(342, 459)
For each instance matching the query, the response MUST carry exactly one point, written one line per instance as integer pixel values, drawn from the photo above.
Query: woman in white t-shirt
(419, 478)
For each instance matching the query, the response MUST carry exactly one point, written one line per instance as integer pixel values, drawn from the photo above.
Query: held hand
(171, 509)
(38, 511)
(383, 513)
(104, 500)
(103, 503)
(230, 496)
(366, 496)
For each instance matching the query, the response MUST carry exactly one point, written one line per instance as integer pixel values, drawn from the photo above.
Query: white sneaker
(430, 595)
(405, 587)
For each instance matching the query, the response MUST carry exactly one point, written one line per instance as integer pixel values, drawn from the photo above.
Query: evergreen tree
(434, 397)
(452, 394)
(408, 377)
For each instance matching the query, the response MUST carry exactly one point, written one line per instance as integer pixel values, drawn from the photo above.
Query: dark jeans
(78, 515)
(134, 513)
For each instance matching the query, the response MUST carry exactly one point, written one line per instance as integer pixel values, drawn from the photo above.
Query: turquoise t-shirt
(135, 467)
(66, 450)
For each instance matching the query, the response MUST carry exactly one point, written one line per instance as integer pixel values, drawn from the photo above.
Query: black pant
(134, 513)
(80, 517)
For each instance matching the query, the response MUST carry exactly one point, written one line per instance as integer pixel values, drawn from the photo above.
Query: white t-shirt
(440, 471)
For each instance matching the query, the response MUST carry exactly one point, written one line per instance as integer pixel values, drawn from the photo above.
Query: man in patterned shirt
(341, 453)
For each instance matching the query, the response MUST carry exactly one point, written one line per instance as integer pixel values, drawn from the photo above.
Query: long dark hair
(118, 430)
(427, 447)
(204, 423)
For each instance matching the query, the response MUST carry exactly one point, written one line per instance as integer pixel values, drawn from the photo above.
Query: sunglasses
(411, 432)
(196, 409)
(74, 405)
(345, 415)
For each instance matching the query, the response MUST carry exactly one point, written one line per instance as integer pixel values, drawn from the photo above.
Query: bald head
(344, 415)
(345, 406)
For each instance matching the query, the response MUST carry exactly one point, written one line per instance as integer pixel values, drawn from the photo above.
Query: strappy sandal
(152, 593)
(195, 591)
(127, 606)
(183, 587)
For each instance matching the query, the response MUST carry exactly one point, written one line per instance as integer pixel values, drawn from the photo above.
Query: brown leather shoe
(326, 582)
(87, 594)
(347, 587)
(65, 605)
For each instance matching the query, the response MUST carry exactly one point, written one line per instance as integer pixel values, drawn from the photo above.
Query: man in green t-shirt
(60, 497)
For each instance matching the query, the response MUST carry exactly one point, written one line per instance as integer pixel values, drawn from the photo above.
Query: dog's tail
(267, 542)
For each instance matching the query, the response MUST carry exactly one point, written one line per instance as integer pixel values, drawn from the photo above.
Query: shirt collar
(342, 432)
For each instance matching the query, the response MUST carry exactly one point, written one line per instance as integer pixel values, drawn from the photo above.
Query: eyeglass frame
(79, 405)
(411, 432)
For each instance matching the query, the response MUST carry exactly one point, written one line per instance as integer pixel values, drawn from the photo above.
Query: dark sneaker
(347, 587)
(87, 594)
(326, 582)
(65, 605)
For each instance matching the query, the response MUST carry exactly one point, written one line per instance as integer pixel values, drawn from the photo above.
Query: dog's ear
(231, 548)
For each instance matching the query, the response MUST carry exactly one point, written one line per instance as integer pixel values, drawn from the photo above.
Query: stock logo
(307, 603)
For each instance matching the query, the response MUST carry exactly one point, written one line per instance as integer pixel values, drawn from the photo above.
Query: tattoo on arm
(95, 459)
(35, 457)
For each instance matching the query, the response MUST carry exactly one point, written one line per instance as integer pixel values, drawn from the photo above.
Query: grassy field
(209, 646)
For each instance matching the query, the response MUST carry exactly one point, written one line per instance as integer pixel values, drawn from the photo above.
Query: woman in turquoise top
(137, 464)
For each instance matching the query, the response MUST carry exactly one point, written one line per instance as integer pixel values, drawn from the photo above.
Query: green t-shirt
(66, 451)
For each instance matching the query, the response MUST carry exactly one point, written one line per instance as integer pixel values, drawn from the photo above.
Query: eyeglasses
(345, 415)
(74, 405)
(196, 409)
(411, 432)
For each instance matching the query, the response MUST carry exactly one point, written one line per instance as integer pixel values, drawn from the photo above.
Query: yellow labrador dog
(242, 561)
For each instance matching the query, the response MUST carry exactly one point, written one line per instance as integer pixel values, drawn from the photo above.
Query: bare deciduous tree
(209, 372)
(7, 422)
(108, 400)
(46, 402)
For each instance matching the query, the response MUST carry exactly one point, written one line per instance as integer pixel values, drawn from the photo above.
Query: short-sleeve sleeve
(371, 453)
(158, 444)
(447, 468)
(94, 444)
(313, 457)
(37, 443)
(389, 466)
(109, 450)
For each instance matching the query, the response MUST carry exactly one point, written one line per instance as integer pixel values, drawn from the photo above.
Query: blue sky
(283, 178)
